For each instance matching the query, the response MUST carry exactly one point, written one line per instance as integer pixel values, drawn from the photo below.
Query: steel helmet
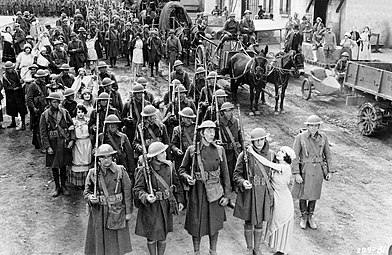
(103, 96)
(149, 110)
(220, 93)
(102, 64)
(175, 82)
(156, 148)
(180, 89)
(112, 119)
(258, 133)
(142, 81)
(207, 124)
(69, 92)
(40, 73)
(138, 88)
(9, 65)
(200, 70)
(54, 96)
(345, 54)
(226, 106)
(86, 91)
(187, 112)
(65, 67)
(177, 63)
(212, 75)
(313, 120)
(106, 82)
(105, 150)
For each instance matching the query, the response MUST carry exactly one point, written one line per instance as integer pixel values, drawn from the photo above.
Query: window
(285, 6)
(268, 6)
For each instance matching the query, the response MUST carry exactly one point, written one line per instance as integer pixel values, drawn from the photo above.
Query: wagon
(319, 83)
(371, 85)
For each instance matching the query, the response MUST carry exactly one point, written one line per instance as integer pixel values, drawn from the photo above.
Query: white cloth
(23, 61)
(42, 61)
(91, 52)
(81, 152)
(138, 52)
(365, 47)
(7, 37)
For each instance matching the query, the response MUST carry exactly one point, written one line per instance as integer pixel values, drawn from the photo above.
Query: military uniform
(66, 80)
(131, 116)
(173, 49)
(151, 133)
(183, 77)
(102, 116)
(172, 121)
(181, 140)
(59, 57)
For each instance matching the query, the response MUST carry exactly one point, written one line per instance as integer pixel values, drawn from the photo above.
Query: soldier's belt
(162, 195)
(313, 160)
(257, 180)
(113, 199)
(207, 175)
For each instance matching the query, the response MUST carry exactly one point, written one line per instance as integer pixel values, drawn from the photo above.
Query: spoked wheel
(306, 89)
(369, 118)
(200, 57)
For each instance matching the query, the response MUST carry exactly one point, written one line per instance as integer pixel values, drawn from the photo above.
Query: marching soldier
(57, 141)
(173, 48)
(58, 56)
(115, 96)
(104, 73)
(198, 84)
(113, 190)
(103, 111)
(180, 74)
(147, 95)
(119, 141)
(231, 30)
(65, 78)
(204, 165)
(230, 133)
(69, 102)
(160, 194)
(153, 130)
(155, 51)
(182, 136)
(168, 96)
(131, 114)
(76, 52)
(255, 197)
(219, 98)
(315, 160)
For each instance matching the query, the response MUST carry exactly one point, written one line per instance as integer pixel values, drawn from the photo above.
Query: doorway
(320, 10)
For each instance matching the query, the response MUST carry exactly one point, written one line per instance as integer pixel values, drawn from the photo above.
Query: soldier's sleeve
(179, 191)
(239, 172)
(136, 142)
(186, 163)
(130, 158)
(179, 46)
(127, 191)
(297, 150)
(89, 185)
(225, 177)
(140, 190)
(120, 103)
(125, 110)
(328, 155)
(91, 121)
(70, 123)
(29, 95)
(43, 129)
(175, 142)
(187, 81)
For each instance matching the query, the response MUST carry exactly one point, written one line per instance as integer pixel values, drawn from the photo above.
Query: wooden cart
(372, 83)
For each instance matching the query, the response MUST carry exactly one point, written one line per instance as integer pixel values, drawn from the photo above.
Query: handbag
(116, 213)
(214, 189)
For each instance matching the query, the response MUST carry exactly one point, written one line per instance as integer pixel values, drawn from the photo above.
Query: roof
(166, 13)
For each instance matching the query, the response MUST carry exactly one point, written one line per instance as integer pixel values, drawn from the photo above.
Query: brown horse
(284, 65)
(244, 69)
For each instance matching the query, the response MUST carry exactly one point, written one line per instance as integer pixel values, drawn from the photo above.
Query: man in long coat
(314, 158)
(155, 51)
(112, 38)
(255, 197)
(76, 51)
(173, 48)
(57, 140)
(100, 240)
(205, 216)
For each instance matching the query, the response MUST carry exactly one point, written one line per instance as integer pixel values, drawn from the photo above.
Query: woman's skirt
(8, 52)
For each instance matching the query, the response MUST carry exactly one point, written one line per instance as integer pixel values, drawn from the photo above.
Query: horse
(282, 67)
(244, 69)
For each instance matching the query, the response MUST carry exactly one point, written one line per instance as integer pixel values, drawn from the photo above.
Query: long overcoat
(155, 221)
(14, 94)
(310, 151)
(203, 217)
(112, 38)
(254, 205)
(155, 49)
(52, 136)
(99, 239)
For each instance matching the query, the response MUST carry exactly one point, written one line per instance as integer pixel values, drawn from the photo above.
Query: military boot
(56, 178)
(213, 244)
(249, 242)
(161, 247)
(303, 220)
(258, 232)
(312, 223)
(152, 247)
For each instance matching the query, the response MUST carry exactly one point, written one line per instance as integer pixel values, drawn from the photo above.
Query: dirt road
(354, 214)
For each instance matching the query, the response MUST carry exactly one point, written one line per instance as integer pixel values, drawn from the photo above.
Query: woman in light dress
(8, 47)
(365, 47)
(280, 229)
(88, 101)
(92, 56)
(81, 151)
(137, 58)
(23, 61)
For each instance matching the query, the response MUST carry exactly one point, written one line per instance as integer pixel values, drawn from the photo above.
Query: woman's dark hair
(287, 158)
(81, 107)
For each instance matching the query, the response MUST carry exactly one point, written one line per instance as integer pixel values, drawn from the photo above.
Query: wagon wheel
(200, 56)
(369, 118)
(306, 89)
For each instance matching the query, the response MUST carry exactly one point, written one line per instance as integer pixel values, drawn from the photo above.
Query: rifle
(96, 147)
(107, 111)
(216, 109)
(144, 154)
(179, 118)
(195, 143)
(243, 144)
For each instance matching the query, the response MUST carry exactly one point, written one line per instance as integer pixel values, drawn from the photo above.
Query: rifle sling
(232, 140)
